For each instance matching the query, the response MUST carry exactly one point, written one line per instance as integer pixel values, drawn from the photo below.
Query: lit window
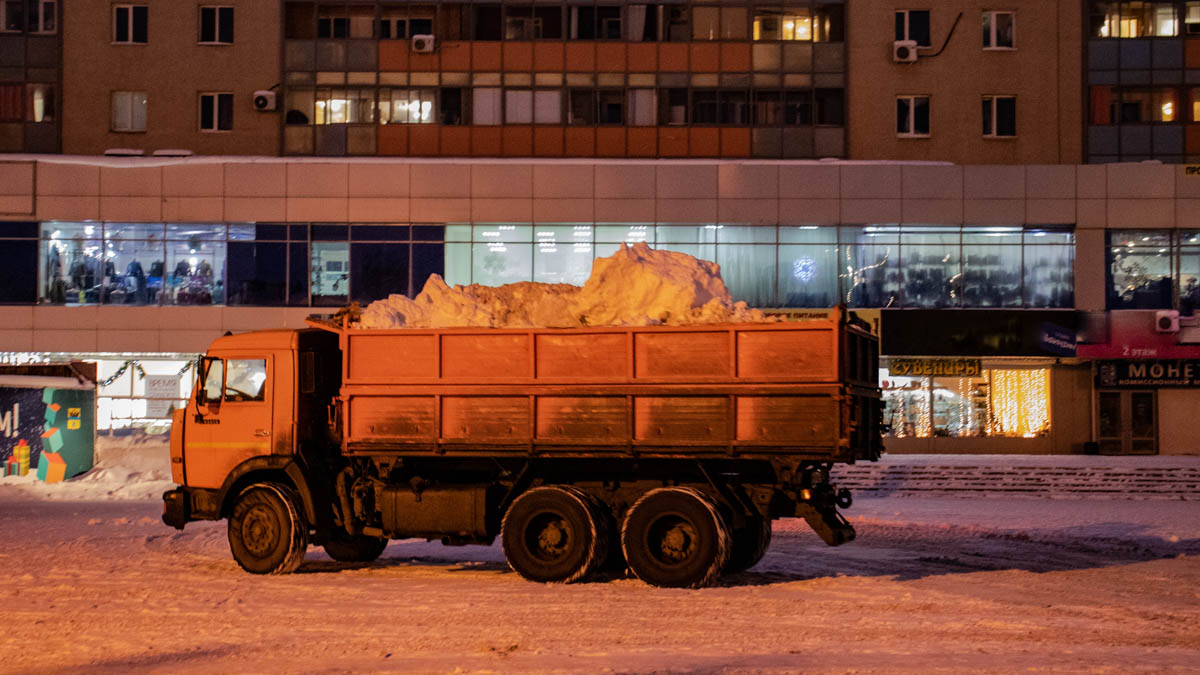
(216, 25)
(1151, 18)
(782, 23)
(407, 106)
(913, 24)
(216, 112)
(998, 29)
(129, 111)
(999, 116)
(912, 116)
(130, 24)
(345, 106)
(41, 103)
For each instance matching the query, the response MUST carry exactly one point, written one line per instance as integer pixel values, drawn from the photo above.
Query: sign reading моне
(1148, 373)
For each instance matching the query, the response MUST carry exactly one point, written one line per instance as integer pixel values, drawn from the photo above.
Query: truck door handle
(261, 432)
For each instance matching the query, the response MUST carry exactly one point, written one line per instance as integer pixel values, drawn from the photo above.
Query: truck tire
(553, 534)
(358, 548)
(749, 544)
(267, 534)
(675, 537)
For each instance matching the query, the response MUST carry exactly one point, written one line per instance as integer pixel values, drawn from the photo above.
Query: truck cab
(260, 400)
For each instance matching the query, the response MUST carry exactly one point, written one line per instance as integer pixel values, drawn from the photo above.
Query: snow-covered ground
(93, 580)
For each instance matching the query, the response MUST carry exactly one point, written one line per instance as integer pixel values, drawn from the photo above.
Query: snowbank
(137, 466)
(636, 286)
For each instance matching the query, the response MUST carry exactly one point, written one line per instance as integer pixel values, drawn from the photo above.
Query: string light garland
(141, 372)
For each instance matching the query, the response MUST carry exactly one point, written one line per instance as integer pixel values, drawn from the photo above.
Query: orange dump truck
(664, 450)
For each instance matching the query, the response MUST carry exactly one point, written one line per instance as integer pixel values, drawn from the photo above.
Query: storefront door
(1127, 423)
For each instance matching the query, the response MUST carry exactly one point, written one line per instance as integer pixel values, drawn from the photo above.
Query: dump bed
(805, 389)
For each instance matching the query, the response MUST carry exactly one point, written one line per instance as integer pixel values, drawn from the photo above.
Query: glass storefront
(1154, 269)
(999, 402)
(331, 264)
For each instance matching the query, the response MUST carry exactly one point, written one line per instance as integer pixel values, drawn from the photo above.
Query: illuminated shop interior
(1000, 402)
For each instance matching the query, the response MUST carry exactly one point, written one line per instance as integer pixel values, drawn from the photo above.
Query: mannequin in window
(204, 270)
(135, 278)
(182, 269)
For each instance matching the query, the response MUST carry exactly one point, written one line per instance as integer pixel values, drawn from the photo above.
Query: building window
(345, 106)
(216, 25)
(999, 116)
(130, 24)
(1191, 18)
(913, 24)
(355, 21)
(782, 23)
(12, 16)
(12, 103)
(129, 111)
(216, 112)
(41, 103)
(1111, 19)
(407, 106)
(999, 402)
(912, 116)
(400, 24)
(1147, 268)
(998, 29)
(1133, 105)
(529, 22)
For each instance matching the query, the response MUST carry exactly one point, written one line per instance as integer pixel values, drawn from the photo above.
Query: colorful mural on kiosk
(48, 430)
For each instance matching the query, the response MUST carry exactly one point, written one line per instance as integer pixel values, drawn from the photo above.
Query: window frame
(992, 31)
(215, 101)
(908, 25)
(38, 16)
(912, 118)
(994, 99)
(23, 20)
(130, 23)
(216, 28)
(113, 120)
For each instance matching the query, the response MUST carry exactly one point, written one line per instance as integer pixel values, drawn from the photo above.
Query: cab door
(230, 417)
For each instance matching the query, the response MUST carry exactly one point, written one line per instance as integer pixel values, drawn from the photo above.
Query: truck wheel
(675, 537)
(749, 544)
(552, 534)
(266, 532)
(359, 548)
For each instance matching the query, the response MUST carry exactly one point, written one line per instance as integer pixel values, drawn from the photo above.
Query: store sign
(1055, 339)
(161, 393)
(935, 367)
(1148, 373)
(1191, 170)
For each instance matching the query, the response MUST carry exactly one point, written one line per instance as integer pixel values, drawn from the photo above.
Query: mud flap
(829, 525)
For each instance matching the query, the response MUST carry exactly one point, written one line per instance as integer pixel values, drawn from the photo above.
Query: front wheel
(675, 537)
(267, 535)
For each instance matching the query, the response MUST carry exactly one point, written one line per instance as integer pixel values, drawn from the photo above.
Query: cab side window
(213, 379)
(246, 380)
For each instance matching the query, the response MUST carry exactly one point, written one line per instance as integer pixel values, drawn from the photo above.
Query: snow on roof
(636, 286)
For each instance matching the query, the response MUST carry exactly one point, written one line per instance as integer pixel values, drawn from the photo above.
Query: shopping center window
(18, 262)
(1154, 269)
(142, 392)
(998, 402)
(195, 265)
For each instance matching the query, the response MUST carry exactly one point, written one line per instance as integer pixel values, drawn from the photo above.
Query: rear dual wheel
(555, 533)
(675, 537)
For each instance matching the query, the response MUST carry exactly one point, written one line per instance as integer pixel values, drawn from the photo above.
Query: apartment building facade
(500, 142)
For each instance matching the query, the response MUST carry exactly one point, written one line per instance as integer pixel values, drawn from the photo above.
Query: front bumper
(176, 508)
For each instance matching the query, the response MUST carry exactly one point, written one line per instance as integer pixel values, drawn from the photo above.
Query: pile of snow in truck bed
(636, 286)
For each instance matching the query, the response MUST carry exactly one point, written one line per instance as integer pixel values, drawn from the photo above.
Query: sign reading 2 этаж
(934, 367)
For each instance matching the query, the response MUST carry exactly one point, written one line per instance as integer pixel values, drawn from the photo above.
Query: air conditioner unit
(904, 51)
(264, 100)
(422, 43)
(1166, 321)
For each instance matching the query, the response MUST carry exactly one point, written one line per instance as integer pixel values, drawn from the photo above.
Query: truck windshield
(245, 380)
